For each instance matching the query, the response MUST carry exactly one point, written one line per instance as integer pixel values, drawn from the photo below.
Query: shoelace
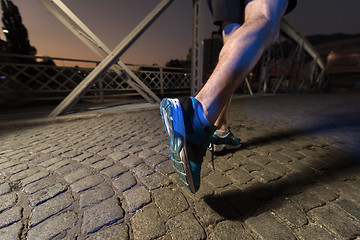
(212, 153)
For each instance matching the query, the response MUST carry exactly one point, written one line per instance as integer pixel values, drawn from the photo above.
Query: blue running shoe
(229, 142)
(189, 138)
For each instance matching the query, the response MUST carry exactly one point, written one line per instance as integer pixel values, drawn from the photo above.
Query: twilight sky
(170, 36)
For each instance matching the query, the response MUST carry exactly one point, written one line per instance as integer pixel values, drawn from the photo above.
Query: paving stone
(217, 180)
(4, 188)
(146, 153)
(50, 162)
(307, 200)
(161, 148)
(93, 159)
(118, 155)
(259, 159)
(71, 154)
(323, 192)
(105, 152)
(124, 182)
(53, 227)
(96, 195)
(142, 170)
(298, 166)
(40, 184)
(314, 232)
(278, 168)
(46, 194)
(77, 175)
(86, 183)
(233, 203)
(23, 174)
(7, 201)
(265, 176)
(230, 230)
(170, 201)
(134, 150)
(185, 226)
(131, 161)
(82, 156)
(15, 169)
(113, 232)
(10, 216)
(147, 224)
(280, 157)
(288, 211)
(96, 149)
(114, 171)
(165, 167)
(204, 191)
(102, 164)
(206, 214)
(222, 164)
(240, 176)
(11, 232)
(334, 221)
(100, 215)
(153, 181)
(50, 208)
(154, 160)
(265, 225)
(349, 207)
(73, 166)
(136, 198)
(36, 177)
(293, 154)
(251, 167)
(8, 164)
(58, 165)
(122, 147)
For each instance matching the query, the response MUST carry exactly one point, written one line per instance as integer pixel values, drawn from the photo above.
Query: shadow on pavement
(242, 204)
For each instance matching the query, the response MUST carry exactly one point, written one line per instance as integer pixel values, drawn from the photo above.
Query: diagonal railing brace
(69, 19)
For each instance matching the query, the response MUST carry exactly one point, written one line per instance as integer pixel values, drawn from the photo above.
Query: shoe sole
(173, 121)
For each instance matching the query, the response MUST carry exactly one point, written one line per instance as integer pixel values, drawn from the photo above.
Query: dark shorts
(233, 10)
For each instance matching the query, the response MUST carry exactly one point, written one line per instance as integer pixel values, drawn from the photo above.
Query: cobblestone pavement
(108, 176)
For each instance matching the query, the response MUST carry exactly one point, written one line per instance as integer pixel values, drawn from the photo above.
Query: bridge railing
(39, 78)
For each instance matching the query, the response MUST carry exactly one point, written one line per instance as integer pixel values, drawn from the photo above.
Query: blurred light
(5, 31)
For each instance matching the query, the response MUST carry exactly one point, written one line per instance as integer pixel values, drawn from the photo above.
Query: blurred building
(342, 54)
(212, 48)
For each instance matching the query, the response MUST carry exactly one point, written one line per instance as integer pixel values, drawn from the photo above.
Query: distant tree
(15, 31)
(177, 63)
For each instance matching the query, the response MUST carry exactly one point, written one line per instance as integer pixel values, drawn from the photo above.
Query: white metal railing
(43, 81)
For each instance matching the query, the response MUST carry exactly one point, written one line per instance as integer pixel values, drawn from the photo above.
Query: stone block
(124, 182)
(114, 171)
(46, 194)
(96, 195)
(10, 216)
(50, 208)
(267, 227)
(113, 232)
(100, 215)
(87, 183)
(53, 227)
(147, 224)
(170, 201)
(136, 198)
(185, 226)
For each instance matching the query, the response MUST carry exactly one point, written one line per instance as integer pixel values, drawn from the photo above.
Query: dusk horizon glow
(169, 37)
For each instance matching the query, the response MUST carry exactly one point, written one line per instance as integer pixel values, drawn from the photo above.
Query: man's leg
(240, 53)
(189, 124)
(228, 29)
(223, 137)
